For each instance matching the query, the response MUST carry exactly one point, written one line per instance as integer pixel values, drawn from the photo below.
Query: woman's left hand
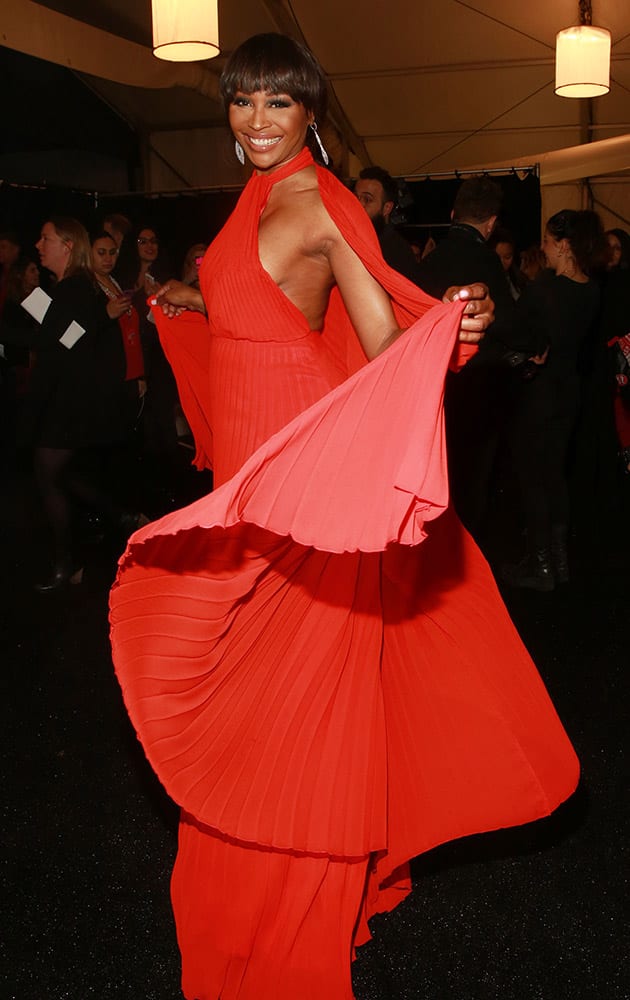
(478, 313)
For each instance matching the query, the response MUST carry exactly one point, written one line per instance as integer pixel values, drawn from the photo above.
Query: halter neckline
(303, 159)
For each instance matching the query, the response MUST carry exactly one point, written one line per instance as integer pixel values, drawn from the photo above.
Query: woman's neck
(107, 282)
(569, 268)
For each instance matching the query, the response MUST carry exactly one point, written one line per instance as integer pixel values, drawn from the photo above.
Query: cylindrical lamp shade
(185, 30)
(582, 62)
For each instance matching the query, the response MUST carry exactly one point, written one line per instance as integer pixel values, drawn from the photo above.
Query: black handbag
(521, 365)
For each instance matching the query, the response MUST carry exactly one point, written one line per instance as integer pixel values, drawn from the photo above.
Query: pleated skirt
(323, 675)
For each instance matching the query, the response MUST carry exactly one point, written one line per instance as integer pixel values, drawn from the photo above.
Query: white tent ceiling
(418, 86)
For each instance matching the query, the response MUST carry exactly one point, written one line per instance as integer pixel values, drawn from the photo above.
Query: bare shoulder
(299, 205)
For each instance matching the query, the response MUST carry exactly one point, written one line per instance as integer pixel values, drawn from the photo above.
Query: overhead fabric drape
(28, 27)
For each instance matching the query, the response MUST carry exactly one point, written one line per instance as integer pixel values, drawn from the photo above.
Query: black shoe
(63, 575)
(534, 572)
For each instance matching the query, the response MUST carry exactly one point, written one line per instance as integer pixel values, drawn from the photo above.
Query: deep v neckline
(266, 183)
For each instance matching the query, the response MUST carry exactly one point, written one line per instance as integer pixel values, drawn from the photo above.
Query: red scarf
(130, 329)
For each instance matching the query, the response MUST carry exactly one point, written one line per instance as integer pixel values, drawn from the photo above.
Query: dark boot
(559, 553)
(535, 572)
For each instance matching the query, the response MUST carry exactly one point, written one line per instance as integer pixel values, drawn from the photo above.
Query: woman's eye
(278, 103)
(240, 102)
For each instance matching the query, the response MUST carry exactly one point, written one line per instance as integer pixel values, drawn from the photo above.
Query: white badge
(36, 304)
(74, 332)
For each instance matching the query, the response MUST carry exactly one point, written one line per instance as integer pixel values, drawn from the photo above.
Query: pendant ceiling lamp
(185, 30)
(583, 58)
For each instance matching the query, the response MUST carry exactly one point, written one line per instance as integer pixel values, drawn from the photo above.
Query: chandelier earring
(240, 153)
(318, 138)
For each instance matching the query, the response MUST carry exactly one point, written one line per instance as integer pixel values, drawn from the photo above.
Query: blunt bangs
(275, 64)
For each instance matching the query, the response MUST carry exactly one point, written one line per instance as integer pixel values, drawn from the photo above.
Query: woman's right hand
(175, 297)
(116, 307)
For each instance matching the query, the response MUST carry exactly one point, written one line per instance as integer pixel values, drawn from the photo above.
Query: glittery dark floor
(537, 913)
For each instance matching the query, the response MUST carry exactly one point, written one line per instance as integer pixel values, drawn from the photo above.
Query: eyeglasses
(147, 239)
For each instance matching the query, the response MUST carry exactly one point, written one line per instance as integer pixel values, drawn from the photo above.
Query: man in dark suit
(476, 397)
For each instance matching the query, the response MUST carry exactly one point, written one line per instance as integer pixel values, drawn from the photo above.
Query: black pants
(475, 402)
(69, 476)
(541, 428)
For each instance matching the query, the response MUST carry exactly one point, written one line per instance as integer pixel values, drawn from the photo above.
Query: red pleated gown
(315, 656)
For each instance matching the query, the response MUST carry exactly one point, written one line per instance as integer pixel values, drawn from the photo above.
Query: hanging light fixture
(583, 58)
(185, 30)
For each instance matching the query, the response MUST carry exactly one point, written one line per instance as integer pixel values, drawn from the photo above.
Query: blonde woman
(73, 405)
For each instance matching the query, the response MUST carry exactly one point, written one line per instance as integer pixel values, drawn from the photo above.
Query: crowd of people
(117, 396)
(315, 655)
(86, 388)
(546, 396)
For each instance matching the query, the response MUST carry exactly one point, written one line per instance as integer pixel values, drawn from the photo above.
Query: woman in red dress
(315, 656)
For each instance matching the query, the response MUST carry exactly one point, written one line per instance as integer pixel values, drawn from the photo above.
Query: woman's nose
(258, 118)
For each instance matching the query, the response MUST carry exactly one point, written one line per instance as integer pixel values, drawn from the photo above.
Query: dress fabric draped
(315, 656)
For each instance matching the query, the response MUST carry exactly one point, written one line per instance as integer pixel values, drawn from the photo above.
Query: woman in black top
(74, 402)
(559, 310)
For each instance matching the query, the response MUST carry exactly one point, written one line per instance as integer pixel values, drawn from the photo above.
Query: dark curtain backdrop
(182, 219)
(427, 207)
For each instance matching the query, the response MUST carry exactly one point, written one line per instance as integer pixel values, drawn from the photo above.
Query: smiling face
(553, 250)
(104, 254)
(271, 128)
(148, 245)
(54, 252)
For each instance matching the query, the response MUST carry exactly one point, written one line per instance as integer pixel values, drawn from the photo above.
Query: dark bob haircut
(275, 64)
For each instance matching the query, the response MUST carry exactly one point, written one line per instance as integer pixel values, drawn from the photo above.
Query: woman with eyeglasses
(139, 272)
(120, 308)
(148, 246)
(140, 265)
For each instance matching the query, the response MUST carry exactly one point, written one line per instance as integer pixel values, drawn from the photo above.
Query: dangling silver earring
(240, 154)
(325, 156)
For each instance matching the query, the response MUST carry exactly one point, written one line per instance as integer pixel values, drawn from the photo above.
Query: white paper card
(74, 332)
(36, 304)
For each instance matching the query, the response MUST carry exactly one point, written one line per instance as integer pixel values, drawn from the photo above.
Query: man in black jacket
(475, 397)
(377, 191)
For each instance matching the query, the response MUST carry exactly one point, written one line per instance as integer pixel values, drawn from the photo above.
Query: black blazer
(464, 258)
(75, 398)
